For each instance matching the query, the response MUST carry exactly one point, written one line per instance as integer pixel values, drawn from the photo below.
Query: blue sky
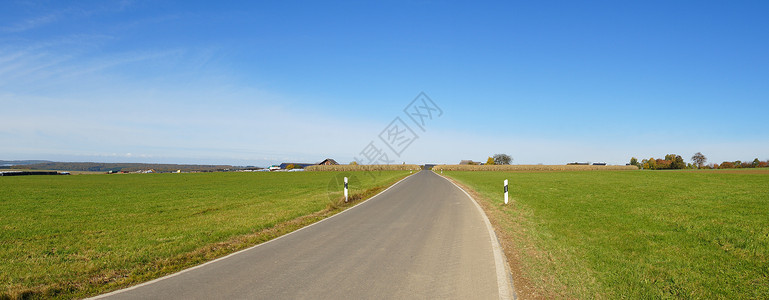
(251, 83)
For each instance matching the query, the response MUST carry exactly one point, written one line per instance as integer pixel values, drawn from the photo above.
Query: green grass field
(74, 236)
(632, 234)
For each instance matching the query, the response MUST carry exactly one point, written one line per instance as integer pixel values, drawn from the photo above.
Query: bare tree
(699, 159)
(502, 159)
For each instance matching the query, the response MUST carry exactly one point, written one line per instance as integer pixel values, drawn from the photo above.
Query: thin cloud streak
(71, 13)
(229, 129)
(31, 23)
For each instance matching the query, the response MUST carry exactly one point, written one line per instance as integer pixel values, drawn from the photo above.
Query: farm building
(328, 162)
(296, 165)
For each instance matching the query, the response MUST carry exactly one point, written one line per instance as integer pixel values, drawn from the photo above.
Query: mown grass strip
(76, 236)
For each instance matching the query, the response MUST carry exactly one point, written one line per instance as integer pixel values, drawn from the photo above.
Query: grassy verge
(76, 236)
(631, 234)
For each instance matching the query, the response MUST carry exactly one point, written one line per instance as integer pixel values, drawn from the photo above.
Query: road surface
(422, 238)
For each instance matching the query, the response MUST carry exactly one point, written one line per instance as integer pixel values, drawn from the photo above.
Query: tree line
(118, 167)
(699, 161)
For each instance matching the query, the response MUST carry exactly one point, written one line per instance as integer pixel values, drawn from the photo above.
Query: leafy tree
(663, 164)
(290, 167)
(490, 161)
(634, 162)
(677, 162)
(756, 163)
(671, 161)
(651, 164)
(699, 159)
(502, 159)
(353, 163)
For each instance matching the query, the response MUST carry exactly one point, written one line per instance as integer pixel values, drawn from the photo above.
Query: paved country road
(422, 238)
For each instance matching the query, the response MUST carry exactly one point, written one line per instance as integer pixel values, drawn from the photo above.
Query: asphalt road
(422, 238)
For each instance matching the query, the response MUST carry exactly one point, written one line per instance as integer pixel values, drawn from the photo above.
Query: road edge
(115, 292)
(504, 275)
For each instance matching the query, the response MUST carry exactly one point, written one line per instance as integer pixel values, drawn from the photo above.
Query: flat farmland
(631, 234)
(75, 236)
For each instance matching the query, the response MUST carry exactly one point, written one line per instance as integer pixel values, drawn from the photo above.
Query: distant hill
(6, 163)
(117, 167)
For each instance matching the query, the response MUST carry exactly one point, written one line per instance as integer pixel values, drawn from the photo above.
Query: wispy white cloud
(30, 69)
(203, 124)
(111, 61)
(31, 23)
(71, 11)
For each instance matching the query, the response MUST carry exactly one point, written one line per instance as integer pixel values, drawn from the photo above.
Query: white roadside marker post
(505, 191)
(345, 190)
